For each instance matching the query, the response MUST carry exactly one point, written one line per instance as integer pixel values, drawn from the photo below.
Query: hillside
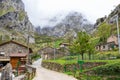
(14, 21)
(106, 26)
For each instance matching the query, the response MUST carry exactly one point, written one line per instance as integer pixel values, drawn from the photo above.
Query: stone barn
(14, 52)
(50, 53)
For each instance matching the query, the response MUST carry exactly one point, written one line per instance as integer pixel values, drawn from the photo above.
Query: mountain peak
(73, 22)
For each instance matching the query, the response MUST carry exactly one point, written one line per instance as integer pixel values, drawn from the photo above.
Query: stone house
(50, 53)
(64, 45)
(112, 42)
(14, 52)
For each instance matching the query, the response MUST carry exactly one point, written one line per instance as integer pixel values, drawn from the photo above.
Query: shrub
(115, 49)
(35, 56)
(118, 56)
(109, 69)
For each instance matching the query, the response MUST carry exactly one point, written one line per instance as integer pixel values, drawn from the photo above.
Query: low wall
(53, 66)
(69, 67)
(20, 77)
(31, 72)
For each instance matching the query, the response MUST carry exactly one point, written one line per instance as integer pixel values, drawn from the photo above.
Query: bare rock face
(13, 16)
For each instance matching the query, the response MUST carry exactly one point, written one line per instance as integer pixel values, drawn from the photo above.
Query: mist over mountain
(72, 22)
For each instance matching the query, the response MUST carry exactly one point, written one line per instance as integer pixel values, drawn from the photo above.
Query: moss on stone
(21, 15)
(5, 11)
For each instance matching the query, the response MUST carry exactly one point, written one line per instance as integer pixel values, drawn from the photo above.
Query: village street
(45, 74)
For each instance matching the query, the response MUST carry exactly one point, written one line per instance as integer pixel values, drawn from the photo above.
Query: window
(104, 47)
(19, 51)
(2, 53)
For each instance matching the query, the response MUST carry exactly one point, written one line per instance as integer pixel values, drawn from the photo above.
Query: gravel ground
(45, 74)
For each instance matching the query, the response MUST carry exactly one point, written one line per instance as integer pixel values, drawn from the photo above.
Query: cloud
(40, 11)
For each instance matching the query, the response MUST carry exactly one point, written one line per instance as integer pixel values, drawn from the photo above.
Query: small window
(104, 47)
(19, 51)
(2, 53)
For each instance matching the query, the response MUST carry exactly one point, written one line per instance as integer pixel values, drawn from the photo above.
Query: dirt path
(45, 74)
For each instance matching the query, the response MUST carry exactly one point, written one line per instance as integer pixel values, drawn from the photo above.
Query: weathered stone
(7, 72)
(70, 67)
(14, 17)
(12, 47)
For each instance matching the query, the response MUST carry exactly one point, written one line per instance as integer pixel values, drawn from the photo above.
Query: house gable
(112, 39)
(13, 47)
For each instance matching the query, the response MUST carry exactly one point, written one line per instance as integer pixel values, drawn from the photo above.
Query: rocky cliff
(13, 17)
(73, 22)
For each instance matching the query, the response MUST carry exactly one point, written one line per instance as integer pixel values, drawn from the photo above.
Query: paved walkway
(45, 74)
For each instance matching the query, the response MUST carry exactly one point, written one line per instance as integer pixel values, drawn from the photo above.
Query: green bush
(35, 56)
(118, 56)
(109, 69)
(115, 49)
(114, 78)
(107, 55)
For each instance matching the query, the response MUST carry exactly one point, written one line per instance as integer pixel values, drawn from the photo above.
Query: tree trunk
(82, 56)
(89, 56)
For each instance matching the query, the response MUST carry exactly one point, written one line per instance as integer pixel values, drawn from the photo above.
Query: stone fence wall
(70, 67)
(53, 66)
(31, 72)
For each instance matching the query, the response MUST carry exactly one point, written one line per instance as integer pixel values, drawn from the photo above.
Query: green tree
(104, 31)
(91, 49)
(80, 44)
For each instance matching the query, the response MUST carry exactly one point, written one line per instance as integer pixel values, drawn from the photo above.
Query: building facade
(112, 42)
(14, 52)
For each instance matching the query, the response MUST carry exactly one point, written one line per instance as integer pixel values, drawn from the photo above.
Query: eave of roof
(18, 54)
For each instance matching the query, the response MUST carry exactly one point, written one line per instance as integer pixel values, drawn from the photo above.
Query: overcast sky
(40, 11)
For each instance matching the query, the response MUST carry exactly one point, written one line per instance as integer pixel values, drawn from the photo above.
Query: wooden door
(14, 62)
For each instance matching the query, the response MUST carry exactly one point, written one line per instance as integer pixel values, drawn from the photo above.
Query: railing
(4, 58)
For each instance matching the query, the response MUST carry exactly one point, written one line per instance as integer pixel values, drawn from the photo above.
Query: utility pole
(117, 24)
(54, 49)
(117, 19)
(28, 46)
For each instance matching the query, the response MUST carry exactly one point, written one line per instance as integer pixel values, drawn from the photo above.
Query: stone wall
(31, 72)
(53, 66)
(69, 67)
(13, 48)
